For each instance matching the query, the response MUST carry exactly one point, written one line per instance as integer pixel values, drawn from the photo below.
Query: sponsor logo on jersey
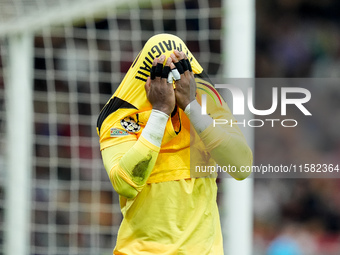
(116, 132)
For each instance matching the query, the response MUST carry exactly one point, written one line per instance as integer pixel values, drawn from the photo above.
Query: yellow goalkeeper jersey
(168, 218)
(175, 211)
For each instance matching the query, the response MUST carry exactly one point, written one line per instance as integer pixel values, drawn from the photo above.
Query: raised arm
(226, 144)
(129, 164)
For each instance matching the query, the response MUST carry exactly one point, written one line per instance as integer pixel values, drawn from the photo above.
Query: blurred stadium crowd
(72, 198)
(299, 38)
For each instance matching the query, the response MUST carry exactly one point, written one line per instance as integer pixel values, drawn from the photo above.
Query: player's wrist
(159, 114)
(189, 107)
(197, 119)
(164, 109)
(184, 104)
(154, 129)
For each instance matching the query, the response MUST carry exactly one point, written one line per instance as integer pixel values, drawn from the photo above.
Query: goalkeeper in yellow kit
(151, 134)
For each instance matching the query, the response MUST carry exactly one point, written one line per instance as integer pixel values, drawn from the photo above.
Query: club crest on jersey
(130, 125)
(115, 132)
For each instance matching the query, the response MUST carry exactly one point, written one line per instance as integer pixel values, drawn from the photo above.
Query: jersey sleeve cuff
(148, 144)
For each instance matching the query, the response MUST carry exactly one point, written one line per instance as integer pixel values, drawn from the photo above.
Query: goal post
(49, 14)
(19, 110)
(239, 63)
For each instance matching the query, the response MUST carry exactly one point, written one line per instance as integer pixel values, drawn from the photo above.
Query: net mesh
(77, 67)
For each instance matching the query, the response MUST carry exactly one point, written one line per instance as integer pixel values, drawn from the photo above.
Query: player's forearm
(132, 166)
(228, 147)
(226, 144)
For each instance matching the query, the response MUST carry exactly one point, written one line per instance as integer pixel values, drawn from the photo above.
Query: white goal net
(81, 50)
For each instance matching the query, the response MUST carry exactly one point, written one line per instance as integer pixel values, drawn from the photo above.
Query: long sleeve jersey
(167, 207)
